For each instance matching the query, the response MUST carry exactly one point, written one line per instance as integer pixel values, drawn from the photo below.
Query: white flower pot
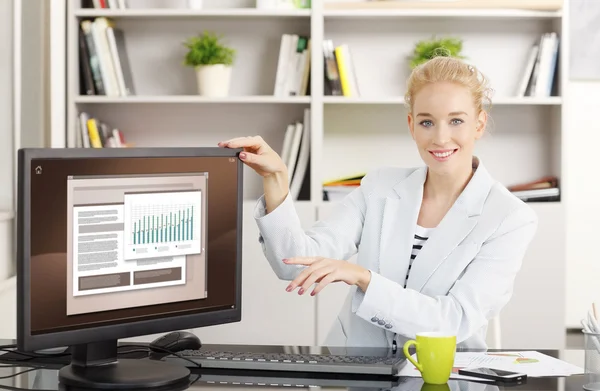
(194, 4)
(213, 80)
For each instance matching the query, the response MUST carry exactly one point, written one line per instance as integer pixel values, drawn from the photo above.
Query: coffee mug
(435, 356)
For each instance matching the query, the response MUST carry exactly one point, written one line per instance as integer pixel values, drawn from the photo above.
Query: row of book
(539, 75)
(95, 133)
(295, 153)
(293, 66)
(106, 4)
(544, 189)
(104, 65)
(340, 73)
(261, 4)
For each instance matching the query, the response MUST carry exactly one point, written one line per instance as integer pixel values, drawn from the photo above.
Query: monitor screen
(115, 240)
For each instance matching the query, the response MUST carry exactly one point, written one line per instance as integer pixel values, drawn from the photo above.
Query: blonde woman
(438, 247)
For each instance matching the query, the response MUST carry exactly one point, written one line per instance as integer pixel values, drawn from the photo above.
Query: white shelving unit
(348, 134)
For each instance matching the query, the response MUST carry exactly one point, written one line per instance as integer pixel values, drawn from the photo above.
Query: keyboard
(293, 362)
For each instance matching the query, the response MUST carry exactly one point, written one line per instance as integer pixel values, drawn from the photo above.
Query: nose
(442, 135)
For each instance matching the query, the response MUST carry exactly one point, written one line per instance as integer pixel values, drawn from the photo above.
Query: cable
(31, 356)
(148, 350)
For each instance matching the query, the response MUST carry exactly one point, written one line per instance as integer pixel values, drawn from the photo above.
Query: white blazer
(461, 278)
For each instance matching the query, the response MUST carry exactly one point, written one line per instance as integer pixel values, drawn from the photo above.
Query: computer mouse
(175, 341)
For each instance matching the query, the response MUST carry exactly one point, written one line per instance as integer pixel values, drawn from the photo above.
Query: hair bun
(441, 52)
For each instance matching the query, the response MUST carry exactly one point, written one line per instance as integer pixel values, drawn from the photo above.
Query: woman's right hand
(257, 155)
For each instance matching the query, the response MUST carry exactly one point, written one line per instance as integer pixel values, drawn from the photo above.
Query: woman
(438, 246)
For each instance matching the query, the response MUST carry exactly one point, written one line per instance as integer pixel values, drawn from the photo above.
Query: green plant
(436, 47)
(207, 49)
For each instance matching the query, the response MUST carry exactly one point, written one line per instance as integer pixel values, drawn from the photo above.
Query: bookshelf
(347, 134)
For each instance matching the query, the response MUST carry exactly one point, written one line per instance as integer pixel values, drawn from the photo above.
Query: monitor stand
(96, 366)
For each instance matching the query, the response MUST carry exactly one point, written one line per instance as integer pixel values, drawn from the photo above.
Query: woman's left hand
(324, 271)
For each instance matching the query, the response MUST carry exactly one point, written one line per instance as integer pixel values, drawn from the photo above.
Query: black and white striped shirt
(421, 236)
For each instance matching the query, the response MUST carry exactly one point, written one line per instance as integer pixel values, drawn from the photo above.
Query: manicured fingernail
(301, 291)
(285, 260)
(242, 155)
(289, 289)
(312, 293)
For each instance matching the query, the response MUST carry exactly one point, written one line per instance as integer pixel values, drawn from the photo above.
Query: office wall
(6, 103)
(34, 72)
(583, 204)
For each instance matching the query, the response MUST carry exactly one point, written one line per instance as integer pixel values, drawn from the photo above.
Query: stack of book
(340, 74)
(293, 66)
(109, 4)
(539, 74)
(295, 153)
(544, 189)
(104, 64)
(337, 189)
(94, 133)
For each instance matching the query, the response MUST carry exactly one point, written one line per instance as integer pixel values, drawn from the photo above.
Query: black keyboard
(329, 363)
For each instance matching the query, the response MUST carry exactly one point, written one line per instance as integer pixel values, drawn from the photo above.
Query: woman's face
(445, 125)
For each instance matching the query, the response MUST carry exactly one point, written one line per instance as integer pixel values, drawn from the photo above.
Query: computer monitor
(123, 242)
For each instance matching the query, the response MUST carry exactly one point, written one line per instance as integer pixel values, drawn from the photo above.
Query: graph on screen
(162, 224)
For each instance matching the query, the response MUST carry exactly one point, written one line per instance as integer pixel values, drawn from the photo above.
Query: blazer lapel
(453, 228)
(400, 212)
(458, 222)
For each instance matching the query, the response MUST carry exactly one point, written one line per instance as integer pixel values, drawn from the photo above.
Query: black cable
(8, 346)
(165, 351)
(31, 356)
(13, 388)
(19, 373)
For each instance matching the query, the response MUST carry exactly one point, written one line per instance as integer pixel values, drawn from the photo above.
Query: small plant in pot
(212, 60)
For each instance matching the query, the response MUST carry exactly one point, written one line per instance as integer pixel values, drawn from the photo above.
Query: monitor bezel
(28, 342)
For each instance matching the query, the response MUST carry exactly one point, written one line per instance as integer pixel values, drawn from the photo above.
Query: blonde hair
(453, 70)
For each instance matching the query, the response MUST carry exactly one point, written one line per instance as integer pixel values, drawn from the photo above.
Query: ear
(481, 124)
(411, 125)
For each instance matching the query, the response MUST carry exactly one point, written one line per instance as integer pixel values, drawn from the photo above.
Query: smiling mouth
(443, 155)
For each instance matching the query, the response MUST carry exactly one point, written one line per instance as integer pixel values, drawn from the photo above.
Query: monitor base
(95, 366)
(125, 374)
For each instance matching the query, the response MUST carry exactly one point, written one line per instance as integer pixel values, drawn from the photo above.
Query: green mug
(435, 356)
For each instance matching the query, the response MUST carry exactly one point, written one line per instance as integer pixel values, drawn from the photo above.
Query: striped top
(421, 236)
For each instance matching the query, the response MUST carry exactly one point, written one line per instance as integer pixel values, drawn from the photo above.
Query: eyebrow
(450, 114)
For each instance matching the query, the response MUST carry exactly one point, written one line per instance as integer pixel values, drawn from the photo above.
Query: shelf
(187, 13)
(6, 215)
(532, 101)
(441, 13)
(193, 99)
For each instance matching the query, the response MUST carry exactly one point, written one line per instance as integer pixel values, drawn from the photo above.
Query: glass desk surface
(23, 377)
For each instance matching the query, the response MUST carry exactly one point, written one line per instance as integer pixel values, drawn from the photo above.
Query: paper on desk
(532, 363)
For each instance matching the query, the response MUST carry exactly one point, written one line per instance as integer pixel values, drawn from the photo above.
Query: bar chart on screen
(162, 224)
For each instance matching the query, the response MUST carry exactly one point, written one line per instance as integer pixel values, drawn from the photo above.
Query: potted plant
(436, 47)
(212, 60)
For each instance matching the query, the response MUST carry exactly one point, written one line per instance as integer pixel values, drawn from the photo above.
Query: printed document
(532, 363)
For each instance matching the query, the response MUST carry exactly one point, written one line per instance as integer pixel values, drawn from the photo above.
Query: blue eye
(426, 123)
(457, 121)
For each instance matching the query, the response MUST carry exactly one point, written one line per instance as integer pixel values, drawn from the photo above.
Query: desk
(226, 380)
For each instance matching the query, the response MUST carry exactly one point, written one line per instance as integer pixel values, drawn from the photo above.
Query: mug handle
(409, 357)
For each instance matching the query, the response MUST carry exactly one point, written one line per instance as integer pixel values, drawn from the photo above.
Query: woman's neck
(446, 188)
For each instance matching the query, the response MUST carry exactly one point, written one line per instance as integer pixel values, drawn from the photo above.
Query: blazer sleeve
(481, 292)
(338, 236)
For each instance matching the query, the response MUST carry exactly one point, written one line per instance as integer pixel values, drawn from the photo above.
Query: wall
(33, 73)
(6, 137)
(583, 207)
(6, 99)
